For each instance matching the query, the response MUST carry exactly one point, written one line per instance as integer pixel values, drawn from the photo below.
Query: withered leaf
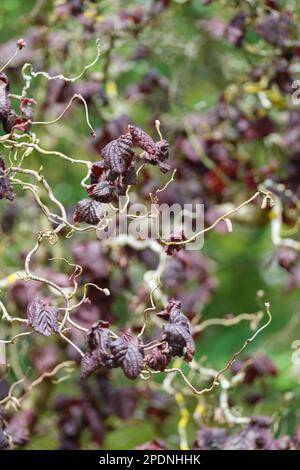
(88, 211)
(101, 192)
(98, 350)
(162, 150)
(142, 139)
(98, 336)
(118, 154)
(177, 331)
(164, 166)
(128, 354)
(159, 157)
(158, 358)
(42, 317)
(99, 172)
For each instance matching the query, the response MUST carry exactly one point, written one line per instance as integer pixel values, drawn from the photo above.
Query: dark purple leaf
(98, 349)
(162, 150)
(118, 154)
(158, 358)
(88, 211)
(42, 317)
(100, 173)
(128, 354)
(177, 331)
(142, 139)
(101, 192)
(130, 176)
(164, 167)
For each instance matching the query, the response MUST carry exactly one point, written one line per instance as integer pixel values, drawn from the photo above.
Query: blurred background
(218, 75)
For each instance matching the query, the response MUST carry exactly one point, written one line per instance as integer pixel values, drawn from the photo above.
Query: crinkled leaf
(98, 349)
(142, 139)
(128, 354)
(118, 154)
(42, 317)
(177, 331)
(101, 192)
(159, 157)
(98, 172)
(158, 358)
(162, 150)
(88, 211)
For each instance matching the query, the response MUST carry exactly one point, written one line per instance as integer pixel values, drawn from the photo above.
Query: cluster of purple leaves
(234, 127)
(112, 176)
(9, 118)
(42, 317)
(127, 351)
(258, 435)
(99, 401)
(87, 411)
